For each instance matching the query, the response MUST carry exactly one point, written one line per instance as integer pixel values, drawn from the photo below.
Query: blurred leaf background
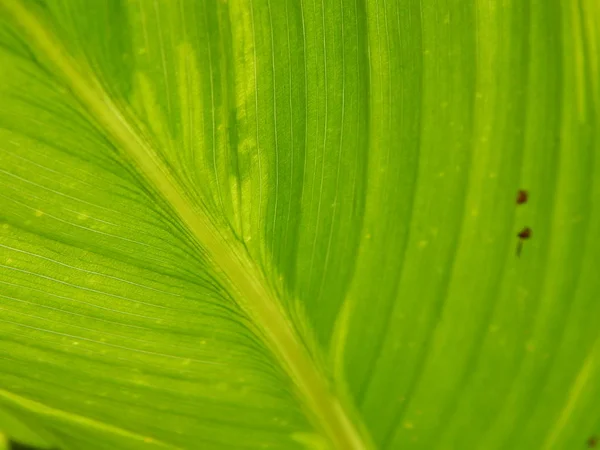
(281, 224)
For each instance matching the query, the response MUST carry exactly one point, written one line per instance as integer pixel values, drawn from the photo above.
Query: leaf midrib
(226, 252)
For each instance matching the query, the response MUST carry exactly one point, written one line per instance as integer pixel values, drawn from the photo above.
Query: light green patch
(311, 441)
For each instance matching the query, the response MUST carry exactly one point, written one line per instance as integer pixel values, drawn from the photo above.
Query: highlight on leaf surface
(290, 224)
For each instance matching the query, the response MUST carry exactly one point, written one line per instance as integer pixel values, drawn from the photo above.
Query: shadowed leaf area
(18, 446)
(299, 224)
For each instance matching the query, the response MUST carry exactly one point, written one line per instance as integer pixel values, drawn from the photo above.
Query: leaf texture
(292, 224)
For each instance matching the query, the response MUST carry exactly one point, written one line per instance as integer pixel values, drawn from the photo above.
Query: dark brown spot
(522, 197)
(525, 233)
(592, 442)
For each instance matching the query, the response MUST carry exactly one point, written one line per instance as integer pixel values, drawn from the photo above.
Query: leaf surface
(293, 224)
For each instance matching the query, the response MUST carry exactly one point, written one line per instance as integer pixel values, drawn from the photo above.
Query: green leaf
(19, 431)
(293, 224)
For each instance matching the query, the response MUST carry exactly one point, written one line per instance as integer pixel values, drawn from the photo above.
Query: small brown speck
(524, 234)
(522, 197)
(592, 442)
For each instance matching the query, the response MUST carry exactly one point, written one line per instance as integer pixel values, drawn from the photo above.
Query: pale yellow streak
(579, 58)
